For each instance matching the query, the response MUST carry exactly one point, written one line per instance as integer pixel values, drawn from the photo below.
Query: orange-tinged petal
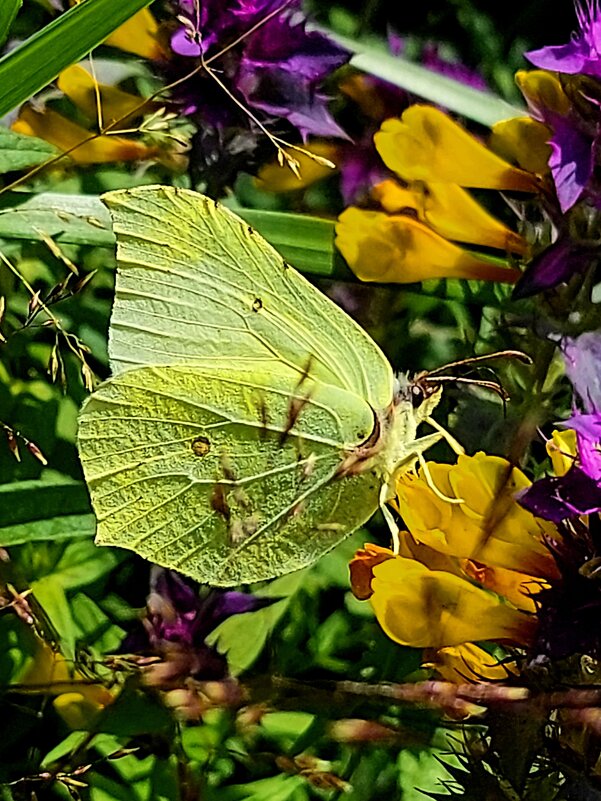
(79, 86)
(524, 141)
(518, 588)
(276, 178)
(432, 609)
(543, 90)
(139, 35)
(361, 568)
(64, 134)
(398, 249)
(427, 145)
(469, 662)
(451, 212)
(562, 448)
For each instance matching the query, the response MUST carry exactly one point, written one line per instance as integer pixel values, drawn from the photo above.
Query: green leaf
(66, 40)
(17, 152)
(243, 637)
(373, 58)
(8, 11)
(37, 510)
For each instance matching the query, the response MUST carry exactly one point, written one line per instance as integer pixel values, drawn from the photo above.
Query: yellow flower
(524, 141)
(451, 212)
(427, 145)
(563, 449)
(83, 91)
(275, 177)
(138, 35)
(64, 134)
(76, 699)
(468, 662)
(399, 249)
(426, 608)
(488, 526)
(543, 90)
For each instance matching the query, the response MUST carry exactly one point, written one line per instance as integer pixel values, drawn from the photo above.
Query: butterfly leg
(446, 435)
(390, 521)
(430, 482)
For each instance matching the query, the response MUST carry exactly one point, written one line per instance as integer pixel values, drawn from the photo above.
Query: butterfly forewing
(208, 471)
(196, 283)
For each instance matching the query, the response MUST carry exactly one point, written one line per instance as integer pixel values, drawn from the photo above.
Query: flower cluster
(466, 572)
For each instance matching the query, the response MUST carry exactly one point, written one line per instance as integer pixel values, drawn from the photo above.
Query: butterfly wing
(228, 475)
(197, 283)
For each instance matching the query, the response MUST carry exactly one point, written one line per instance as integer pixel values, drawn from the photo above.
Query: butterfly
(250, 424)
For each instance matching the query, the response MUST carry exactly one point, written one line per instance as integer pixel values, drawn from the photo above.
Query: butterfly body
(250, 424)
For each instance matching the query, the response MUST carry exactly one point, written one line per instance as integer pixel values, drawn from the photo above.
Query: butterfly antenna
(498, 354)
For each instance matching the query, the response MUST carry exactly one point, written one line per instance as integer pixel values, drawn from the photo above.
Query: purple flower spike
(582, 54)
(177, 622)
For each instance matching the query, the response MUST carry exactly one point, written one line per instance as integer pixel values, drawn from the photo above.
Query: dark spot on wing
(257, 304)
(200, 446)
(250, 230)
(219, 502)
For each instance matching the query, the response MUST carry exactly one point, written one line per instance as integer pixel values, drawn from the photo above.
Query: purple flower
(176, 623)
(582, 357)
(578, 492)
(572, 159)
(582, 54)
(275, 69)
(562, 497)
(555, 265)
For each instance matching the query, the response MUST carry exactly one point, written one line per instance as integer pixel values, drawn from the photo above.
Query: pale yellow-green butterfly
(250, 425)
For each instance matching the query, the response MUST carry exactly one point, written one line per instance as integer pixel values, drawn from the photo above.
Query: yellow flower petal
(276, 178)
(432, 609)
(139, 35)
(451, 212)
(427, 145)
(563, 449)
(79, 86)
(77, 710)
(489, 526)
(543, 90)
(398, 249)
(523, 141)
(469, 662)
(64, 134)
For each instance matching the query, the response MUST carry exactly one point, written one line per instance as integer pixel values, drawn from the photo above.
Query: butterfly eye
(417, 395)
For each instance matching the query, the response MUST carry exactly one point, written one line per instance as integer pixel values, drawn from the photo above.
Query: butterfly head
(417, 393)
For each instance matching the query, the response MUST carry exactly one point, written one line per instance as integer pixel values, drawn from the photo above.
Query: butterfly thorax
(393, 446)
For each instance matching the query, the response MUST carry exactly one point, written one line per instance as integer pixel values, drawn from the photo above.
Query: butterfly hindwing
(226, 474)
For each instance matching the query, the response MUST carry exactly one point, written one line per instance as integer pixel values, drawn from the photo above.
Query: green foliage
(477, 105)
(17, 152)
(70, 37)
(85, 716)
